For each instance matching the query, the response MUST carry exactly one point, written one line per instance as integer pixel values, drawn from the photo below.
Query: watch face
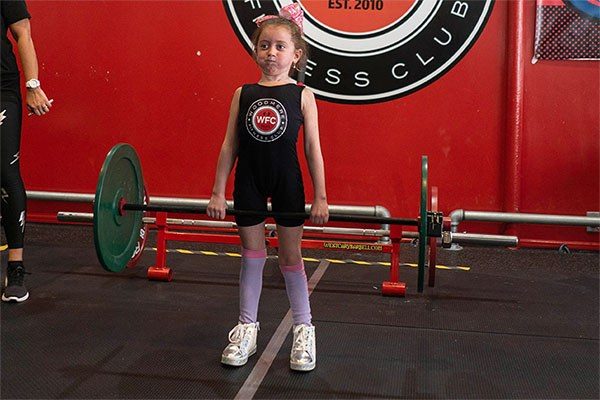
(32, 84)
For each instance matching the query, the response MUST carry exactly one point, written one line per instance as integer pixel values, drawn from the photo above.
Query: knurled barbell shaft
(271, 214)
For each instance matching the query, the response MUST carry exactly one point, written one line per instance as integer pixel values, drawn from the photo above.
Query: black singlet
(268, 123)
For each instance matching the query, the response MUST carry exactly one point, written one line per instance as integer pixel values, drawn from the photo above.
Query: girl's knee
(254, 253)
(297, 268)
(288, 258)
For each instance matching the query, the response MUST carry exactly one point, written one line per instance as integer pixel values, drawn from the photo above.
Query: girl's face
(275, 51)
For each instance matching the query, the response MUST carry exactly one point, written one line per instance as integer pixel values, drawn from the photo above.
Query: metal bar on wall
(515, 94)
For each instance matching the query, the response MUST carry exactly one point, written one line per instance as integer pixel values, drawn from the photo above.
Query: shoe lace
(303, 340)
(17, 275)
(239, 336)
(236, 334)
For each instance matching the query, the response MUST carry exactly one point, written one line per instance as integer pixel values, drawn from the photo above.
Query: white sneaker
(242, 344)
(304, 349)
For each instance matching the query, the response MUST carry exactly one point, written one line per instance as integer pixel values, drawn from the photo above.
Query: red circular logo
(266, 120)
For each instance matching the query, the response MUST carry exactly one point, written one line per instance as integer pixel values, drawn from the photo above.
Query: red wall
(560, 140)
(160, 75)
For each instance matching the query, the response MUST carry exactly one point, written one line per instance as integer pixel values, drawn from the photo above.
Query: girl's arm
(229, 150)
(319, 213)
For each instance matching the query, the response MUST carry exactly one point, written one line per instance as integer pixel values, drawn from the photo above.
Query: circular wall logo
(366, 51)
(266, 120)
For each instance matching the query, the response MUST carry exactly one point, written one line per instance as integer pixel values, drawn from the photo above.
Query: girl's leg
(254, 255)
(292, 267)
(303, 356)
(242, 338)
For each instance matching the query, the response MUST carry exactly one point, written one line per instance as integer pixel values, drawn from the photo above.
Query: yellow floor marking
(310, 259)
(460, 267)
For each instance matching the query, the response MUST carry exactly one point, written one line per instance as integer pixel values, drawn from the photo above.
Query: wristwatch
(32, 84)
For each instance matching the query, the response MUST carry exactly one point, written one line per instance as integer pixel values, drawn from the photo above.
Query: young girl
(262, 132)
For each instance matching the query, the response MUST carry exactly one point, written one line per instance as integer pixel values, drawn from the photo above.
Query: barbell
(121, 200)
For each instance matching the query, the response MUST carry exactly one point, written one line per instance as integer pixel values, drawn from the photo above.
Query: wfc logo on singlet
(266, 120)
(367, 51)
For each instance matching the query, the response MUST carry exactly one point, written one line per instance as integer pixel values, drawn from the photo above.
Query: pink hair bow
(291, 12)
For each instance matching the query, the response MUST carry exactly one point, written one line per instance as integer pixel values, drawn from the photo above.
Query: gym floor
(514, 324)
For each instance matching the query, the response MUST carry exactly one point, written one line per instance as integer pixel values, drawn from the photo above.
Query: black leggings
(13, 191)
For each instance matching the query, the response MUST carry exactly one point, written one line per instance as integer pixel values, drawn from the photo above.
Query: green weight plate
(116, 235)
(422, 224)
